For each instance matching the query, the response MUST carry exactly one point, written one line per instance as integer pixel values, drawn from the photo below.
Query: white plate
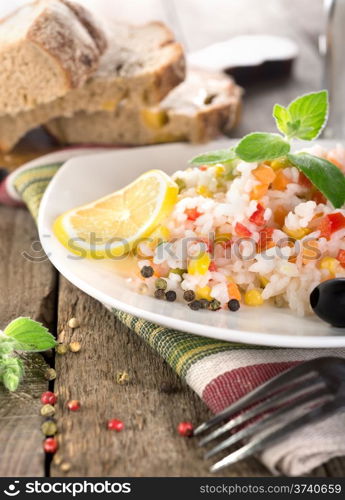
(84, 179)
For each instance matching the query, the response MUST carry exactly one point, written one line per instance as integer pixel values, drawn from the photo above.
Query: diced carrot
(281, 181)
(341, 257)
(192, 213)
(258, 191)
(264, 174)
(257, 217)
(234, 292)
(309, 251)
(279, 215)
(265, 240)
(203, 167)
(242, 230)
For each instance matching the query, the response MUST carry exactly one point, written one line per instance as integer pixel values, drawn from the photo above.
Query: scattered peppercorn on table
(121, 410)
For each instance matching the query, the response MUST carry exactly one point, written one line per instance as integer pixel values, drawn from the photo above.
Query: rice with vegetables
(254, 233)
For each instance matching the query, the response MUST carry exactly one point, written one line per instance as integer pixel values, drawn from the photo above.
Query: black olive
(328, 301)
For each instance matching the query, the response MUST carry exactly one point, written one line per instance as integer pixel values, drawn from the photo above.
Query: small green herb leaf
(260, 146)
(11, 372)
(214, 157)
(323, 174)
(305, 117)
(29, 335)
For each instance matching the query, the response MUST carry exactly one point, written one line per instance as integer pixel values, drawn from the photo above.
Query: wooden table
(155, 400)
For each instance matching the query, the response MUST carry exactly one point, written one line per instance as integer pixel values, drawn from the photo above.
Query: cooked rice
(284, 276)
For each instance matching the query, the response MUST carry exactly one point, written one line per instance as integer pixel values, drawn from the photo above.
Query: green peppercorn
(147, 271)
(50, 374)
(189, 296)
(178, 271)
(180, 184)
(161, 284)
(214, 305)
(234, 305)
(47, 411)
(195, 305)
(159, 294)
(170, 296)
(49, 427)
(203, 303)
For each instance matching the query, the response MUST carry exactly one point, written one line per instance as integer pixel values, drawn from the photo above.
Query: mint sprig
(261, 146)
(304, 118)
(22, 334)
(214, 157)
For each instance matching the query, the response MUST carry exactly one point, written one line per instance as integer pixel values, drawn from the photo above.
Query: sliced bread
(199, 109)
(46, 49)
(142, 64)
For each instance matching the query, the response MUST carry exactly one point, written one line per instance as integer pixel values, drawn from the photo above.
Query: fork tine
(266, 405)
(259, 444)
(264, 390)
(265, 421)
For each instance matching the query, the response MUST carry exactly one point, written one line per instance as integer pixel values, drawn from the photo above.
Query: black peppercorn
(159, 294)
(234, 305)
(147, 271)
(195, 305)
(189, 296)
(170, 296)
(161, 284)
(203, 303)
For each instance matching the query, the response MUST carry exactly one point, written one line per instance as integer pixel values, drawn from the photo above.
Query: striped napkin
(219, 372)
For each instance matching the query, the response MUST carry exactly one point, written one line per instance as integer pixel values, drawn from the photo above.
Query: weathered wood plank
(26, 289)
(151, 405)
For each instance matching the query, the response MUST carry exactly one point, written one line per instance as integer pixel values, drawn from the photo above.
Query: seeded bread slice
(199, 109)
(46, 49)
(142, 64)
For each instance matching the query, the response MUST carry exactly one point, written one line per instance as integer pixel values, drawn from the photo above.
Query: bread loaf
(142, 64)
(199, 109)
(46, 49)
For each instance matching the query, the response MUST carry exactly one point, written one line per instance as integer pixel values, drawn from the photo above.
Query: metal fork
(305, 394)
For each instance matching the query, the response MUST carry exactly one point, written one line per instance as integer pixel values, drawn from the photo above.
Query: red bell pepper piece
(257, 217)
(242, 230)
(330, 224)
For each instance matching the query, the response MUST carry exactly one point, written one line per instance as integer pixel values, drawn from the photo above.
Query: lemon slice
(113, 225)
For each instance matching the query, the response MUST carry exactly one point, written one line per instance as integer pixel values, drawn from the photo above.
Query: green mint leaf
(11, 372)
(29, 335)
(324, 175)
(260, 146)
(214, 157)
(305, 117)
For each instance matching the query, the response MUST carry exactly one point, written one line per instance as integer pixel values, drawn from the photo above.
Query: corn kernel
(200, 264)
(204, 191)
(109, 105)
(280, 163)
(330, 264)
(219, 170)
(253, 297)
(203, 292)
(297, 234)
(264, 281)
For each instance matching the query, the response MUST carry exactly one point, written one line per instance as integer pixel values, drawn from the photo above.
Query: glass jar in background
(334, 67)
